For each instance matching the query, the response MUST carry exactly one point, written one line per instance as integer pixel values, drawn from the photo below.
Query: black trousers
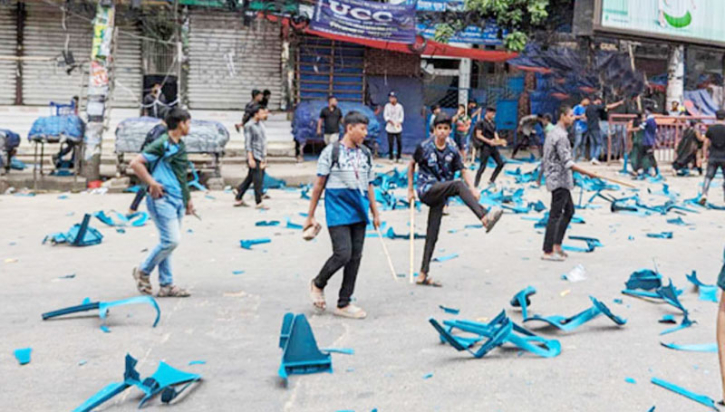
(560, 214)
(138, 198)
(712, 167)
(526, 141)
(486, 152)
(347, 247)
(648, 152)
(392, 138)
(256, 176)
(436, 198)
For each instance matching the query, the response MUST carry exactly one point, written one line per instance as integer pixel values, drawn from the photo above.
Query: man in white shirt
(393, 115)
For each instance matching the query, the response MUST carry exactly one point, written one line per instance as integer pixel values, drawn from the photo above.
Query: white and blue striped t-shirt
(346, 192)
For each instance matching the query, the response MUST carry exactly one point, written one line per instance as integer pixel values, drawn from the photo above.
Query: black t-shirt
(331, 119)
(488, 130)
(594, 114)
(716, 135)
(248, 112)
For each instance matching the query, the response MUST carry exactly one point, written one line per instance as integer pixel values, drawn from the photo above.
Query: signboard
(440, 5)
(688, 21)
(471, 35)
(366, 19)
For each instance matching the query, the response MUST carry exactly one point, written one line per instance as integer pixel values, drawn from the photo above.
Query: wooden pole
(387, 255)
(412, 240)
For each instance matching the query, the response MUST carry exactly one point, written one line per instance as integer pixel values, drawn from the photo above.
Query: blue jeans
(578, 140)
(167, 213)
(595, 144)
(619, 139)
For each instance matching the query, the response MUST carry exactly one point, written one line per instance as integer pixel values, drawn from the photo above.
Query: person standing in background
(580, 127)
(330, 117)
(255, 143)
(461, 125)
(394, 116)
(256, 101)
(715, 141)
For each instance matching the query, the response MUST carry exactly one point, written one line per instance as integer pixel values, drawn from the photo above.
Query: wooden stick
(412, 240)
(619, 182)
(387, 255)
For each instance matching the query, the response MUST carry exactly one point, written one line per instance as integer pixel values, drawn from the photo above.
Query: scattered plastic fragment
(573, 322)
(71, 276)
(81, 234)
(496, 333)
(300, 354)
(390, 234)
(248, 243)
(522, 300)
(137, 219)
(163, 381)
(565, 292)
(661, 235)
(290, 225)
(344, 351)
(701, 399)
(678, 222)
(449, 310)
(11, 260)
(704, 347)
(707, 292)
(668, 319)
(630, 237)
(237, 272)
(83, 362)
(578, 274)
(427, 376)
(197, 362)
(592, 244)
(105, 329)
(630, 380)
(103, 307)
(267, 223)
(618, 301)
(23, 355)
(445, 258)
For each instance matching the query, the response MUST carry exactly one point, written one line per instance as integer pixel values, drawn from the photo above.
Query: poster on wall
(699, 21)
(366, 20)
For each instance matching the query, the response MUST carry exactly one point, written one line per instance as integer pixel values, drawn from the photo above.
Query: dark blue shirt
(435, 165)
(650, 132)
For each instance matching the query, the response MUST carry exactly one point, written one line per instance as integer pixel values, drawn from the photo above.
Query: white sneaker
(595, 162)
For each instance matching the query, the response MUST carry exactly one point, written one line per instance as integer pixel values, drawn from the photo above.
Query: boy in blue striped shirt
(345, 171)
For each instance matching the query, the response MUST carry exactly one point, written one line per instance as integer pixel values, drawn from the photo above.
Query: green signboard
(695, 21)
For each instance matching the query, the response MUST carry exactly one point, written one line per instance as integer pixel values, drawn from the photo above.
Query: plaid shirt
(557, 160)
(255, 140)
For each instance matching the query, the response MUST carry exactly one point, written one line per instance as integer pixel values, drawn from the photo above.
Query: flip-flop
(553, 258)
(318, 298)
(427, 281)
(496, 214)
(563, 254)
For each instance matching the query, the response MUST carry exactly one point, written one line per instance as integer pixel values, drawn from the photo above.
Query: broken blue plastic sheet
(23, 355)
(290, 225)
(445, 258)
(496, 333)
(344, 351)
(592, 244)
(136, 219)
(678, 222)
(300, 354)
(103, 307)
(705, 347)
(248, 243)
(644, 279)
(573, 322)
(197, 362)
(521, 300)
(668, 319)
(707, 292)
(164, 381)
(81, 234)
(661, 235)
(452, 311)
(701, 399)
(267, 223)
(105, 329)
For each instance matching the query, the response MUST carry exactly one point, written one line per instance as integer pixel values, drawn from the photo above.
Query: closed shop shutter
(228, 60)
(129, 74)
(8, 44)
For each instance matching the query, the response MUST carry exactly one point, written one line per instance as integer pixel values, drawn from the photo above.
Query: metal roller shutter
(129, 74)
(8, 44)
(228, 60)
(46, 81)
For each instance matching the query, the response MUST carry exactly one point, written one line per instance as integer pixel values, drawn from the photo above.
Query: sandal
(427, 281)
(495, 215)
(317, 296)
(172, 291)
(143, 282)
(350, 311)
(554, 257)
(563, 254)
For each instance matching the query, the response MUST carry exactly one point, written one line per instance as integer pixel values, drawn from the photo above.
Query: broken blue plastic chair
(163, 381)
(195, 181)
(591, 242)
(390, 234)
(701, 399)
(81, 234)
(704, 347)
(248, 243)
(103, 307)
(300, 354)
(136, 219)
(573, 322)
(707, 292)
(521, 300)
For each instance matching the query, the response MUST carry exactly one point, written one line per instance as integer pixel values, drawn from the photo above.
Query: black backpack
(336, 155)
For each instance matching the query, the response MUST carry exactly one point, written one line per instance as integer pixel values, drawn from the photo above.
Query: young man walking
(153, 134)
(255, 143)
(330, 117)
(558, 165)
(162, 167)
(257, 98)
(394, 116)
(715, 141)
(346, 173)
(487, 143)
(438, 160)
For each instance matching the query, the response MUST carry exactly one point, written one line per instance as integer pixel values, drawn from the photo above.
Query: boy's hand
(252, 163)
(190, 208)
(376, 220)
(156, 190)
(309, 222)
(411, 195)
(263, 165)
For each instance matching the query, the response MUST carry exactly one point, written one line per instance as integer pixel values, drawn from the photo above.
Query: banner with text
(366, 20)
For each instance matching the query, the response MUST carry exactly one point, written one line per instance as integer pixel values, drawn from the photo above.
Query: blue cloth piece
(105, 329)
(267, 223)
(427, 376)
(705, 347)
(445, 258)
(163, 381)
(452, 311)
(248, 243)
(662, 235)
(300, 354)
(23, 355)
(522, 300)
(701, 399)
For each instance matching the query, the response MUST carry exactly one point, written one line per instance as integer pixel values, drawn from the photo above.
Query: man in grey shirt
(255, 143)
(557, 166)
